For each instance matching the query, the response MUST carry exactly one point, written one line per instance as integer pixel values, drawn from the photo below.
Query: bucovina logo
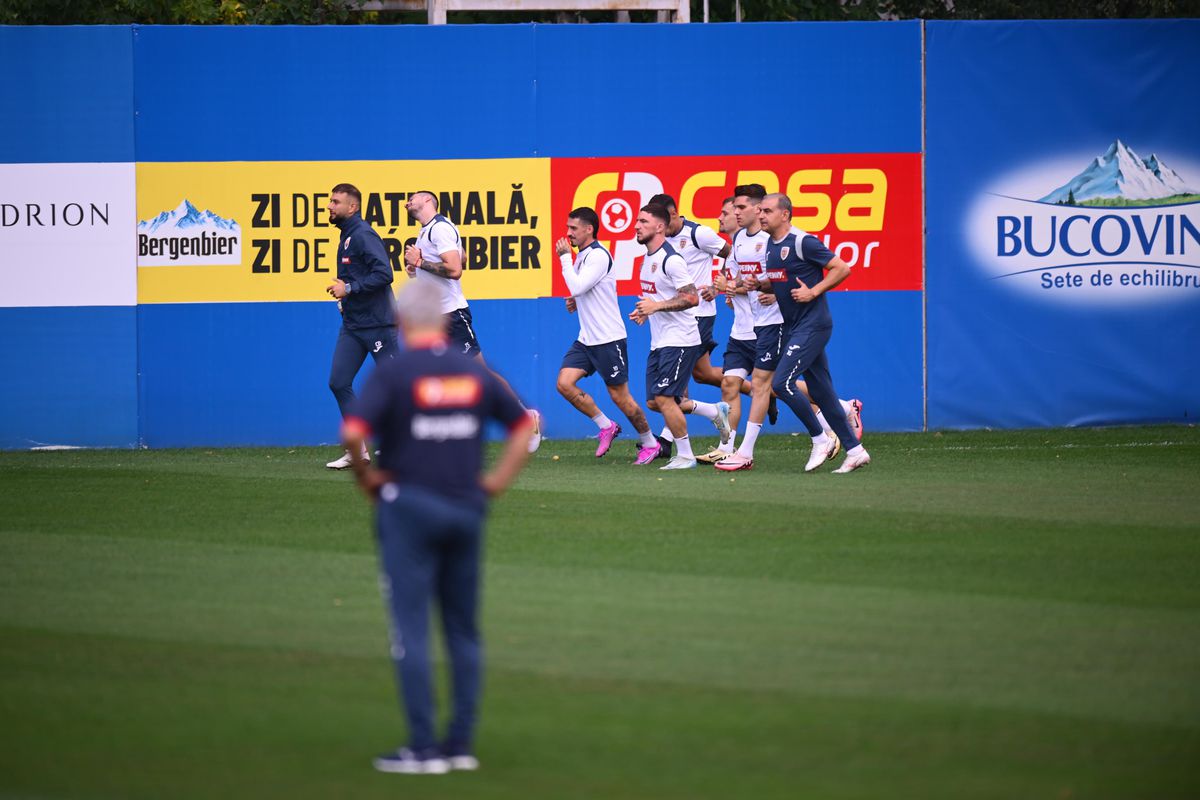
(187, 236)
(1124, 230)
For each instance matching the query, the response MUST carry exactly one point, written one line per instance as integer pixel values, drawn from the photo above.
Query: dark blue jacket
(363, 265)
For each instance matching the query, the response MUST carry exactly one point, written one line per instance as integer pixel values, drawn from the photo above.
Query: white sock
(728, 447)
(647, 438)
(706, 410)
(602, 421)
(853, 451)
(683, 448)
(822, 439)
(824, 425)
(751, 435)
(666, 434)
(846, 407)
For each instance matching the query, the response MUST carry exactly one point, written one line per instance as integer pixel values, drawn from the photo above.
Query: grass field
(975, 615)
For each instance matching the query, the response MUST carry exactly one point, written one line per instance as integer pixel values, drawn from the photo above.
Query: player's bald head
(419, 308)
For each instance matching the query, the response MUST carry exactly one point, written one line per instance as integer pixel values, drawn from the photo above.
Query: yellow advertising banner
(259, 231)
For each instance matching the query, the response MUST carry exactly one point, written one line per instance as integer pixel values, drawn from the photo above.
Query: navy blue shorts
(461, 331)
(609, 359)
(705, 324)
(668, 370)
(740, 355)
(768, 347)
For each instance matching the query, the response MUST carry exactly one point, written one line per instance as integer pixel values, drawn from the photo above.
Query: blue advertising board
(1063, 223)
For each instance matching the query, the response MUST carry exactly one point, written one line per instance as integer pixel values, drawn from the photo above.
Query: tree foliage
(319, 12)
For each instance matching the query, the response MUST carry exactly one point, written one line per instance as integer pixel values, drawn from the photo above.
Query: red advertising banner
(866, 207)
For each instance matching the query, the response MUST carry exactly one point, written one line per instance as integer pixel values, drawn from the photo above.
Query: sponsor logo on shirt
(649, 287)
(777, 275)
(451, 391)
(444, 427)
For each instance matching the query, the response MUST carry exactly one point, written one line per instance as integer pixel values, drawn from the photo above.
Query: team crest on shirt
(757, 246)
(682, 243)
(448, 391)
(346, 246)
(783, 252)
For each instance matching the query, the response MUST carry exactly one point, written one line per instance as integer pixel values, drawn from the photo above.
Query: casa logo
(1123, 230)
(452, 391)
(187, 236)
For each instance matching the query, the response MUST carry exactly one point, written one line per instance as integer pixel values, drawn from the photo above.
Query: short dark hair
(431, 195)
(659, 211)
(664, 200)
(350, 189)
(587, 216)
(728, 200)
(755, 191)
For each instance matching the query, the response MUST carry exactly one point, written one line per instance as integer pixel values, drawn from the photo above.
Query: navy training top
(799, 255)
(426, 410)
(363, 264)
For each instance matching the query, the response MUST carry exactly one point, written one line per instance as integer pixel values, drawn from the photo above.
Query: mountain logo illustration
(187, 236)
(187, 218)
(1122, 177)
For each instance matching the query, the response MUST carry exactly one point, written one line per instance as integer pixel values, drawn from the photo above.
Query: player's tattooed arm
(436, 269)
(685, 297)
(449, 267)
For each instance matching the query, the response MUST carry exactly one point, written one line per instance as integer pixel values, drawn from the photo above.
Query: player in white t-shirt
(438, 257)
(740, 349)
(601, 346)
(669, 294)
(699, 245)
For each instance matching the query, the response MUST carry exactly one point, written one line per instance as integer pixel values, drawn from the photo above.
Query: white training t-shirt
(440, 236)
(664, 272)
(590, 281)
(751, 255)
(698, 244)
(743, 309)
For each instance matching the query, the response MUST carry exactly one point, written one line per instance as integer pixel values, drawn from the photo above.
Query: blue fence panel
(333, 93)
(617, 90)
(70, 97)
(70, 377)
(1063, 258)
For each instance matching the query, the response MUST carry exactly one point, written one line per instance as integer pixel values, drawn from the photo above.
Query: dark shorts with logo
(705, 324)
(768, 347)
(668, 370)
(461, 331)
(609, 359)
(739, 354)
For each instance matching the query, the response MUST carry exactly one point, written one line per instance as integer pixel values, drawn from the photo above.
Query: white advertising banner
(68, 235)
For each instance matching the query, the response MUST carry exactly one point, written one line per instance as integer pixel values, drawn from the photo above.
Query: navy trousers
(349, 354)
(804, 357)
(430, 549)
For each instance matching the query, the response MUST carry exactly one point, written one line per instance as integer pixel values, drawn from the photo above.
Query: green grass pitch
(975, 615)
